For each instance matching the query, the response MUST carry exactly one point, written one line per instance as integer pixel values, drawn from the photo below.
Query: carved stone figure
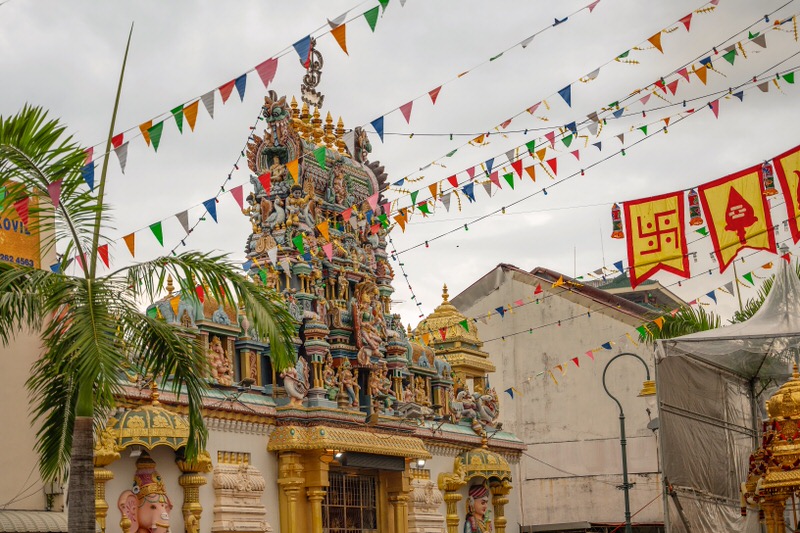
(443, 368)
(219, 362)
(478, 518)
(343, 286)
(300, 208)
(488, 407)
(362, 145)
(424, 508)
(145, 508)
(295, 381)
(368, 321)
(348, 382)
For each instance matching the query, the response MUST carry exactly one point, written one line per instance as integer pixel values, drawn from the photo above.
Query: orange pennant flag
(655, 40)
(737, 215)
(190, 113)
(702, 73)
(433, 187)
(323, 230)
(426, 338)
(787, 166)
(531, 170)
(401, 221)
(293, 167)
(659, 322)
(479, 139)
(146, 134)
(541, 153)
(129, 240)
(560, 282)
(655, 237)
(340, 34)
(173, 303)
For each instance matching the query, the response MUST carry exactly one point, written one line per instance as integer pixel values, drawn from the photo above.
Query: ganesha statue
(146, 507)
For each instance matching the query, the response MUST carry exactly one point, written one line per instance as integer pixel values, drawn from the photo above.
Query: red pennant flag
(687, 21)
(673, 87)
(577, 154)
(347, 213)
(506, 124)
(660, 84)
(201, 293)
(532, 109)
(517, 166)
(21, 207)
(237, 194)
(54, 190)
(225, 90)
(443, 333)
(593, 5)
(405, 109)
(577, 363)
(553, 164)
(435, 94)
(116, 140)
(102, 251)
(453, 181)
(715, 108)
(266, 182)
(538, 289)
(266, 71)
(685, 73)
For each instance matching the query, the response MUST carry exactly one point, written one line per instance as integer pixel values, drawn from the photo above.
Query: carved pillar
(105, 453)
(315, 497)
(316, 480)
(499, 500)
(399, 490)
(450, 484)
(773, 507)
(291, 481)
(191, 480)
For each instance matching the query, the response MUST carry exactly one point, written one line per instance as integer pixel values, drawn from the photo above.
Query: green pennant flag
(509, 178)
(178, 114)
(383, 3)
(642, 331)
(372, 17)
(414, 197)
(753, 35)
(320, 154)
(644, 129)
(624, 55)
(452, 153)
(567, 140)
(464, 324)
(156, 229)
(155, 134)
(384, 220)
(749, 277)
(263, 275)
(730, 57)
(702, 231)
(297, 240)
(496, 57)
(423, 206)
(614, 104)
(152, 312)
(531, 145)
(789, 77)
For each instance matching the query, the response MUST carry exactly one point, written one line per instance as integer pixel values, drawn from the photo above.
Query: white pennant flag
(527, 41)
(208, 102)
(272, 253)
(488, 186)
(592, 128)
(122, 154)
(446, 201)
(593, 74)
(337, 21)
(729, 287)
(402, 3)
(510, 155)
(286, 265)
(183, 218)
(349, 139)
(354, 222)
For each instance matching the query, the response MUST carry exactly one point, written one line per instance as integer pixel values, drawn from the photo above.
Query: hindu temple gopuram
(368, 432)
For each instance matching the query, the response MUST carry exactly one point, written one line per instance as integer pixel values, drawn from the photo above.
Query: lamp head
(648, 392)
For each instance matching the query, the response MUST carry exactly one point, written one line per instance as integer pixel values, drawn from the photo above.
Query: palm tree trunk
(81, 518)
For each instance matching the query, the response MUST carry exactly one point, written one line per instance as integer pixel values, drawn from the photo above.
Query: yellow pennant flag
(541, 153)
(787, 165)
(655, 236)
(426, 338)
(323, 230)
(737, 215)
(129, 240)
(173, 303)
(190, 113)
(559, 282)
(146, 134)
(340, 34)
(293, 167)
(659, 322)
(478, 139)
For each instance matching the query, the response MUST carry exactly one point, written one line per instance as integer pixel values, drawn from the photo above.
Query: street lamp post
(648, 390)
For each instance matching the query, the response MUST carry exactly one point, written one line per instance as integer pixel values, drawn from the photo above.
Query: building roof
(32, 522)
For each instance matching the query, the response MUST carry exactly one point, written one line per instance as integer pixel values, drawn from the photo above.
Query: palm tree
(754, 304)
(686, 320)
(91, 325)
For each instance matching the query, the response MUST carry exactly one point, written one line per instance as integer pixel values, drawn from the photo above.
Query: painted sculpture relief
(478, 519)
(146, 507)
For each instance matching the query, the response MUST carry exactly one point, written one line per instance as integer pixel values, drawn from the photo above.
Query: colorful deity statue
(218, 360)
(478, 514)
(295, 381)
(369, 323)
(348, 382)
(146, 507)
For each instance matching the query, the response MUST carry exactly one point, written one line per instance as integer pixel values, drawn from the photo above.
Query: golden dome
(150, 426)
(785, 403)
(447, 317)
(482, 462)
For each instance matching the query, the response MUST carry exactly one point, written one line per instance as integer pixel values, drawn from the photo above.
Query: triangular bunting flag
(559, 282)
(102, 251)
(659, 322)
(566, 94)
(655, 40)
(54, 190)
(378, 122)
(238, 195)
(267, 69)
(241, 83)
(303, 49)
(577, 363)
(405, 109)
(293, 168)
(183, 218)
(211, 207)
(22, 208)
(297, 240)
(538, 289)
(178, 114)
(590, 354)
(531, 170)
(190, 113)
(509, 179)
(208, 102)
(320, 154)
(501, 311)
(226, 90)
(553, 164)
(686, 21)
(446, 201)
(130, 242)
(712, 295)
(715, 107)
(87, 171)
(606, 345)
(159, 235)
(618, 266)
(749, 277)
(372, 17)
(328, 249)
(517, 166)
(143, 127)
(155, 134)
(434, 94)
(266, 182)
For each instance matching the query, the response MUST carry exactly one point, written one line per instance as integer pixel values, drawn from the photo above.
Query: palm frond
(752, 305)
(686, 320)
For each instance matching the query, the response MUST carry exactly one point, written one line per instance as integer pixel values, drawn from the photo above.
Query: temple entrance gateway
(350, 506)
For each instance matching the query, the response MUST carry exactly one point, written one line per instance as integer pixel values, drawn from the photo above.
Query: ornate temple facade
(367, 431)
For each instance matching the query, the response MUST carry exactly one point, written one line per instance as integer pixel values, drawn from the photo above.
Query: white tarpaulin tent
(711, 390)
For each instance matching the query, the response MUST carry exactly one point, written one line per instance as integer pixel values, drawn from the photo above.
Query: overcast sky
(65, 56)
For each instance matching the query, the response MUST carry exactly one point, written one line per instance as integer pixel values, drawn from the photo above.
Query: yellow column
(191, 480)
(292, 504)
(450, 484)
(105, 453)
(773, 506)
(316, 465)
(398, 487)
(315, 497)
(499, 500)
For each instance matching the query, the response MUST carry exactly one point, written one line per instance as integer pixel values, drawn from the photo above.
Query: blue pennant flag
(501, 311)
(572, 127)
(599, 145)
(606, 345)
(240, 83)
(378, 125)
(739, 95)
(303, 49)
(712, 295)
(56, 268)
(706, 62)
(566, 94)
(211, 207)
(307, 256)
(510, 392)
(87, 171)
(247, 265)
(618, 266)
(557, 22)
(618, 113)
(399, 183)
(369, 216)
(468, 189)
(489, 165)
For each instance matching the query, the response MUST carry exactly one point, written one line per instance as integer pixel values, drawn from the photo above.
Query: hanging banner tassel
(695, 218)
(616, 222)
(768, 179)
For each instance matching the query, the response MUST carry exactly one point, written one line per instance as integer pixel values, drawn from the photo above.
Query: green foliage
(754, 304)
(686, 320)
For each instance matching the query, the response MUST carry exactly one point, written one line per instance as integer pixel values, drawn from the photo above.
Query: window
(350, 504)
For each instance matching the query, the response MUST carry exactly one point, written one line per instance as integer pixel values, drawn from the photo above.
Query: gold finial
(330, 138)
(444, 293)
(293, 105)
(316, 123)
(340, 144)
(409, 330)
(154, 392)
(170, 286)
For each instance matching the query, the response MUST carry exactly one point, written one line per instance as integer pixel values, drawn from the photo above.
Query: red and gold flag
(787, 166)
(655, 236)
(737, 215)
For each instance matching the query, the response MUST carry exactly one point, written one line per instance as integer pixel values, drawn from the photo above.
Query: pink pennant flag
(266, 71)
(715, 108)
(471, 173)
(387, 208)
(89, 154)
(225, 90)
(54, 190)
(434, 94)
(685, 73)
(79, 259)
(347, 213)
(405, 109)
(593, 5)
(553, 163)
(673, 87)
(518, 302)
(590, 355)
(328, 249)
(237, 194)
(373, 201)
(645, 98)
(495, 179)
(577, 154)
(532, 109)
(506, 124)
(551, 136)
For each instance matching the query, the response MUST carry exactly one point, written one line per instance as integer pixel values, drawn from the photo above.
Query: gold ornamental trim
(464, 361)
(296, 438)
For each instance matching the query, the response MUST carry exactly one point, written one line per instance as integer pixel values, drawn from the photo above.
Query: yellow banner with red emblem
(787, 165)
(737, 215)
(655, 236)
